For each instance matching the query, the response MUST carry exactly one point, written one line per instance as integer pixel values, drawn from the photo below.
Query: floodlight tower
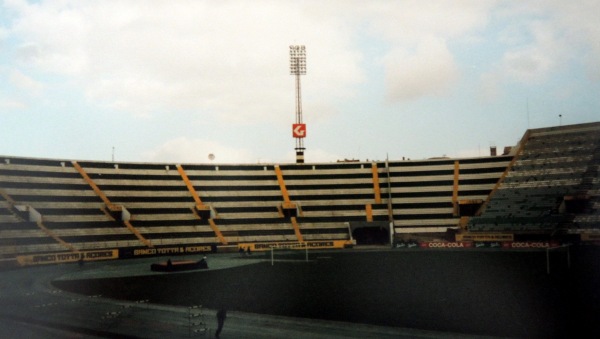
(298, 68)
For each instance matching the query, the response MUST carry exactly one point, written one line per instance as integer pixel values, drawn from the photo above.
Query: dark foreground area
(496, 293)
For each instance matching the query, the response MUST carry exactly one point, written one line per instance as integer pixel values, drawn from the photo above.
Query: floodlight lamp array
(297, 60)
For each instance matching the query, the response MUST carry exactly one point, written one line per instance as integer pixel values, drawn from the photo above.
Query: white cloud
(227, 59)
(230, 59)
(541, 39)
(532, 62)
(226, 62)
(429, 71)
(10, 104)
(185, 149)
(418, 62)
(25, 82)
(408, 22)
(3, 33)
(578, 22)
(195, 150)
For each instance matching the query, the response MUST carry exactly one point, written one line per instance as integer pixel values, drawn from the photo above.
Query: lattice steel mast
(298, 68)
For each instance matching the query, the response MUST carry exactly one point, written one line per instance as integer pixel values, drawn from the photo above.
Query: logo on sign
(299, 130)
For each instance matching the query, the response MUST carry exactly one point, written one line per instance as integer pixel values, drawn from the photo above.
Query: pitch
(491, 293)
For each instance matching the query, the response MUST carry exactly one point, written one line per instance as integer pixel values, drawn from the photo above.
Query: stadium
(532, 212)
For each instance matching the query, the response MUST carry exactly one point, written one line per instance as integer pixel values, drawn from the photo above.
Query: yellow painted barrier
(56, 258)
(137, 233)
(189, 185)
(112, 207)
(55, 237)
(296, 229)
(281, 182)
(369, 210)
(218, 233)
(376, 190)
(92, 184)
(590, 237)
(172, 250)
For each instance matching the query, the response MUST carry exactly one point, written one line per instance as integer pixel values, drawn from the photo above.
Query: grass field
(497, 293)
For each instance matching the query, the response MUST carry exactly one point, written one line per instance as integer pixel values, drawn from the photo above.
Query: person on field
(221, 315)
(203, 263)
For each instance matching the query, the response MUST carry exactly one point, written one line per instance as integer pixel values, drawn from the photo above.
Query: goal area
(562, 248)
(289, 252)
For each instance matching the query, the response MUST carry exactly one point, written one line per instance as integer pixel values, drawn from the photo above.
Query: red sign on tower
(299, 130)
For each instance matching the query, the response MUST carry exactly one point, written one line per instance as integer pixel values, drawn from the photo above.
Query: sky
(176, 81)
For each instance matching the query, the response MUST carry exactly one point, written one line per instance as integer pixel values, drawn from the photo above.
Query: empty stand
(426, 194)
(89, 203)
(550, 182)
(70, 215)
(553, 185)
